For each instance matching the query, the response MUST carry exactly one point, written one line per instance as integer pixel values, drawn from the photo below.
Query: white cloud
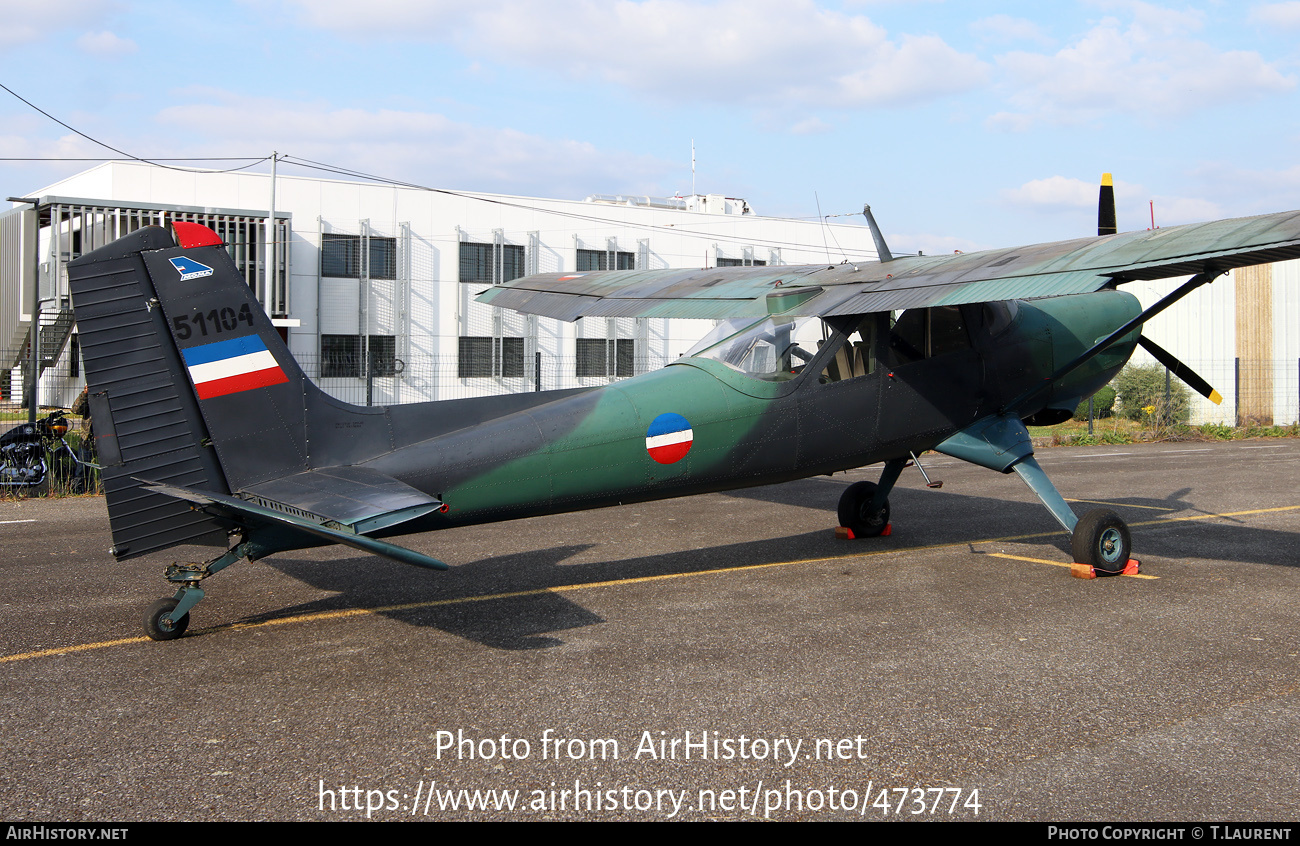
(420, 147)
(1159, 20)
(1071, 196)
(751, 51)
(811, 126)
(1148, 68)
(420, 19)
(1054, 193)
(1005, 28)
(931, 244)
(106, 45)
(1285, 15)
(1009, 122)
(25, 21)
(1248, 191)
(1171, 211)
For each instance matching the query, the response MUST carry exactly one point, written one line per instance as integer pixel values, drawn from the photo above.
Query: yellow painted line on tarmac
(436, 603)
(66, 650)
(1057, 563)
(1211, 516)
(1119, 504)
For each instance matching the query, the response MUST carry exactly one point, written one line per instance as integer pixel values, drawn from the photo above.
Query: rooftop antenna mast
(692, 167)
(882, 249)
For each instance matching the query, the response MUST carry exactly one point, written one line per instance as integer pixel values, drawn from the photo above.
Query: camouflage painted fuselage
(589, 449)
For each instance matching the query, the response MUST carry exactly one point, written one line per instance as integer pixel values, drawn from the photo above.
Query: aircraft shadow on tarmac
(921, 519)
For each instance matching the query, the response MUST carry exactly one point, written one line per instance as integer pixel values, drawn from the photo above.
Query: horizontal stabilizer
(363, 500)
(250, 513)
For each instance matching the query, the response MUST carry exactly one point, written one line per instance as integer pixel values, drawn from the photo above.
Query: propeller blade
(1182, 371)
(1106, 207)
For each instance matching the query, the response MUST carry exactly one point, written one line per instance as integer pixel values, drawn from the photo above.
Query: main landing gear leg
(1099, 541)
(864, 506)
(169, 617)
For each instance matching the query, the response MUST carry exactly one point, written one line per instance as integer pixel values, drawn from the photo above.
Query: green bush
(1103, 405)
(1218, 431)
(1140, 395)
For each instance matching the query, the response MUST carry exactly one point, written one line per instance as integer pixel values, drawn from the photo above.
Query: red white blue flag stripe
(669, 438)
(231, 366)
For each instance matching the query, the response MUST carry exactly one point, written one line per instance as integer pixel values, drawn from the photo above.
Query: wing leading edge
(1077, 266)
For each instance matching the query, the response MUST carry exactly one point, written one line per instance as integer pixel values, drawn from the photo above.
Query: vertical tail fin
(186, 373)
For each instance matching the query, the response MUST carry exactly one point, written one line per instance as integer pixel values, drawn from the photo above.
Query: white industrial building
(380, 280)
(375, 292)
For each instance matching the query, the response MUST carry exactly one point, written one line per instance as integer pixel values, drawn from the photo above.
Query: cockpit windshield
(772, 348)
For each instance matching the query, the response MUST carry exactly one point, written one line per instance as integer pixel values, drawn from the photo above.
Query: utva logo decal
(669, 438)
(189, 268)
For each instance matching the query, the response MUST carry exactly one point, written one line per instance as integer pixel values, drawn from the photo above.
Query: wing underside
(1042, 270)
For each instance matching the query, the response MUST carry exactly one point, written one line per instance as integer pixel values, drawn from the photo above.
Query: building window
(383, 355)
(486, 356)
(340, 356)
(476, 264)
(600, 260)
(740, 262)
(340, 256)
(603, 357)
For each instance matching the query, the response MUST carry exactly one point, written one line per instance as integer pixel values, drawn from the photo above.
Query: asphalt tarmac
(715, 657)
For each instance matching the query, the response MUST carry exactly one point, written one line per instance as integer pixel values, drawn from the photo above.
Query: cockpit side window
(772, 349)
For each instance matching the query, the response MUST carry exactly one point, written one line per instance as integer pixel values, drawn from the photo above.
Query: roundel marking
(669, 438)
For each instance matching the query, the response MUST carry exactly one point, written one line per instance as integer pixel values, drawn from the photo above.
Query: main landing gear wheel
(855, 510)
(1101, 540)
(158, 623)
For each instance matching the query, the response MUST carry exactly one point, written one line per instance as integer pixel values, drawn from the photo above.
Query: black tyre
(158, 623)
(855, 510)
(1101, 540)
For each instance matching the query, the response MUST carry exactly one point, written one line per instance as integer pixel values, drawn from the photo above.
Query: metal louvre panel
(153, 419)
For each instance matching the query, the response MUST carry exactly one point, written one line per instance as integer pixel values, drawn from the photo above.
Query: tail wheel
(158, 622)
(1101, 540)
(856, 513)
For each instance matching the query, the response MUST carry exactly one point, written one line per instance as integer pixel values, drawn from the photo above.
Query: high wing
(1077, 266)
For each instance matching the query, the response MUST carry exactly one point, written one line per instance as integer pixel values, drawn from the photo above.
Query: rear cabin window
(927, 333)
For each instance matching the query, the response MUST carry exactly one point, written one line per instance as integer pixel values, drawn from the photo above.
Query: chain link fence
(393, 381)
(1255, 393)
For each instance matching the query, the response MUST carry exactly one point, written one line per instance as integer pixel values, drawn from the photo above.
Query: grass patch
(1121, 431)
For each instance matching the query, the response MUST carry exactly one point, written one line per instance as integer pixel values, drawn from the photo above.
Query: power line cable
(115, 149)
(151, 160)
(342, 171)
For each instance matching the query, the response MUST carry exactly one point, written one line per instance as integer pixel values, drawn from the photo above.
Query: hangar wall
(381, 278)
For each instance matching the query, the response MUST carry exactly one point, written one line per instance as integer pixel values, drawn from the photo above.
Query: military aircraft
(209, 433)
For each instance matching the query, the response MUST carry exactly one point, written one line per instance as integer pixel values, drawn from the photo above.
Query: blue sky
(964, 124)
